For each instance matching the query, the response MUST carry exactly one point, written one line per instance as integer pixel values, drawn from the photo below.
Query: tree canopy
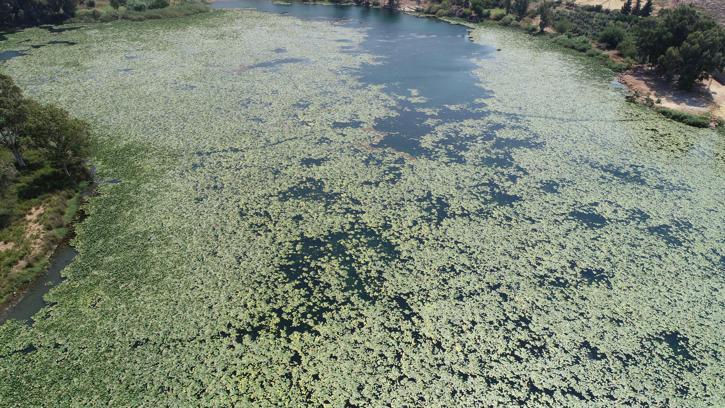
(63, 139)
(15, 13)
(685, 44)
(13, 114)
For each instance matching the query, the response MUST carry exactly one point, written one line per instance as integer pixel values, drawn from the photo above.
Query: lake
(332, 205)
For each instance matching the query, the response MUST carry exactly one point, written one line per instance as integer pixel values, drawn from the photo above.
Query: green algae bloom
(265, 247)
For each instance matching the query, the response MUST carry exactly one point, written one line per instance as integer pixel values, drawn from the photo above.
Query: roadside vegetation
(42, 177)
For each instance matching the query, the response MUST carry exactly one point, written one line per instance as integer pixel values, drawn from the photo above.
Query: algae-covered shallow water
(347, 207)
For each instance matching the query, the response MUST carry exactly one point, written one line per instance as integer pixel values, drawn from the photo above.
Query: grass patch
(700, 121)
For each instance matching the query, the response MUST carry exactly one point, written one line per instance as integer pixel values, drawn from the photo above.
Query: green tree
(7, 173)
(670, 29)
(13, 114)
(507, 6)
(646, 9)
(637, 8)
(546, 15)
(63, 139)
(627, 7)
(702, 53)
(520, 8)
(612, 35)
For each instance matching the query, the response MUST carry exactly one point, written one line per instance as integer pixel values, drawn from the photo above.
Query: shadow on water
(32, 301)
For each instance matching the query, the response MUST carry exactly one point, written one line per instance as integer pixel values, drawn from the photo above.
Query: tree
(115, 4)
(637, 8)
(683, 43)
(702, 53)
(546, 16)
(507, 6)
(7, 173)
(612, 35)
(63, 139)
(627, 7)
(13, 114)
(521, 7)
(670, 29)
(646, 9)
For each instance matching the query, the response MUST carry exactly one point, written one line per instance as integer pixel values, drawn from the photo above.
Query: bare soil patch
(706, 97)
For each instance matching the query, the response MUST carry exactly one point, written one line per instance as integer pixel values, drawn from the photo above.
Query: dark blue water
(8, 55)
(428, 55)
(32, 300)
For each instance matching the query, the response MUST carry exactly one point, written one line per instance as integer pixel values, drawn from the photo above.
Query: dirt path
(35, 234)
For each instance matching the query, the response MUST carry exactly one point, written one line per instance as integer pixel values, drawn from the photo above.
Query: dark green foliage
(547, 16)
(637, 9)
(520, 8)
(589, 23)
(506, 20)
(20, 13)
(13, 114)
(612, 36)
(627, 7)
(627, 47)
(137, 5)
(184, 9)
(579, 43)
(685, 44)
(686, 118)
(562, 25)
(158, 4)
(64, 140)
(646, 9)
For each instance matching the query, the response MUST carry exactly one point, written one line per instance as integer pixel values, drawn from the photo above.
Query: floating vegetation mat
(265, 246)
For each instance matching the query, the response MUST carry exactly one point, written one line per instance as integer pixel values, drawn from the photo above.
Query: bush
(507, 20)
(562, 25)
(612, 36)
(628, 48)
(530, 28)
(497, 14)
(91, 3)
(580, 43)
(158, 4)
(686, 118)
(137, 5)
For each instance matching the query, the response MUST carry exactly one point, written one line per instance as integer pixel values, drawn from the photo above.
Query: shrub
(137, 5)
(506, 20)
(612, 36)
(580, 43)
(158, 4)
(686, 118)
(562, 25)
(497, 14)
(627, 48)
(91, 3)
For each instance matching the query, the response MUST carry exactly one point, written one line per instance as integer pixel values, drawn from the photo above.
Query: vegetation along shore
(311, 205)
(42, 178)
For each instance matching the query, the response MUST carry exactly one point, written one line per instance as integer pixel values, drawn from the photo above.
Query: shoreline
(6, 308)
